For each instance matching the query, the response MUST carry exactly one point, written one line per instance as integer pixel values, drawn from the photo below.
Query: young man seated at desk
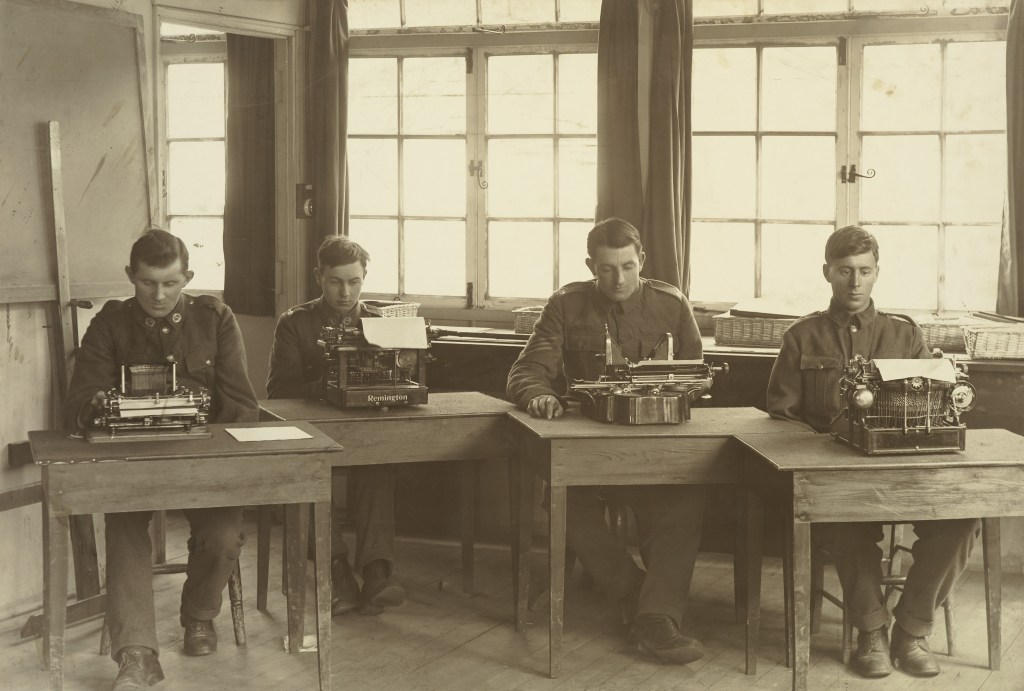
(201, 335)
(295, 372)
(804, 386)
(566, 344)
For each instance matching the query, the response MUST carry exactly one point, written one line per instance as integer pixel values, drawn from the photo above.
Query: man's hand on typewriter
(546, 406)
(91, 409)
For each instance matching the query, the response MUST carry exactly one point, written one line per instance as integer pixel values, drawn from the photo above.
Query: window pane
(908, 257)
(887, 5)
(975, 180)
(967, 4)
(434, 13)
(791, 259)
(204, 238)
(372, 96)
(434, 177)
(572, 252)
(373, 14)
(519, 259)
(435, 257)
(521, 177)
(798, 179)
(434, 95)
(579, 10)
(803, 6)
(972, 267)
(976, 86)
(196, 178)
(723, 270)
(901, 89)
(723, 177)
(195, 100)
(803, 76)
(373, 182)
(520, 94)
(577, 178)
(379, 237)
(724, 8)
(907, 184)
(516, 11)
(724, 89)
(577, 93)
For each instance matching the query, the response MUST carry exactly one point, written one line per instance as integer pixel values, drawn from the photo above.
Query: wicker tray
(995, 342)
(385, 308)
(525, 318)
(948, 336)
(765, 332)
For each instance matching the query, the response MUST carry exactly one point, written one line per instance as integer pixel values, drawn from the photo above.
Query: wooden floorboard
(444, 639)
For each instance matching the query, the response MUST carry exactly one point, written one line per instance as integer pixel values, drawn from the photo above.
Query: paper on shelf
(939, 369)
(396, 332)
(267, 433)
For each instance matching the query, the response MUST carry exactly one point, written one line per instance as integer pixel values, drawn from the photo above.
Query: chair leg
(817, 592)
(263, 557)
(235, 597)
(947, 610)
(105, 638)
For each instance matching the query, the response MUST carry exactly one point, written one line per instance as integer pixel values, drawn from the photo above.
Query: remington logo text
(387, 398)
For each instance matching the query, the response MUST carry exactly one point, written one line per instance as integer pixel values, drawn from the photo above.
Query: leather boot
(138, 668)
(379, 589)
(659, 636)
(344, 586)
(200, 636)
(912, 654)
(871, 660)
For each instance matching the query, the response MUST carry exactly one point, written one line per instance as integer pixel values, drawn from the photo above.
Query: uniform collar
(173, 321)
(633, 302)
(844, 319)
(330, 317)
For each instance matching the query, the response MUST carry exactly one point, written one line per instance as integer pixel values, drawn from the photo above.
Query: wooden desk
(465, 426)
(83, 478)
(824, 481)
(575, 450)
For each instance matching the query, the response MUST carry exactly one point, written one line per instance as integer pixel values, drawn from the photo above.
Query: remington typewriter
(378, 364)
(649, 392)
(904, 406)
(150, 403)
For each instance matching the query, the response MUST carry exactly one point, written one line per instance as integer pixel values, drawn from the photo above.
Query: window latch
(852, 175)
(476, 169)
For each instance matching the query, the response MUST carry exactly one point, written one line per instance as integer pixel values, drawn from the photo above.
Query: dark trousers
(940, 555)
(371, 509)
(213, 548)
(668, 521)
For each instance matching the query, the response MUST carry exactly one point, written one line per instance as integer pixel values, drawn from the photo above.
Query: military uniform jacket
(804, 384)
(568, 339)
(200, 334)
(296, 358)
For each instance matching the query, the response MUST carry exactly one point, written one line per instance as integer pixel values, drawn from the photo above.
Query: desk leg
(557, 567)
(322, 535)
(296, 544)
(263, 556)
(520, 484)
(55, 591)
(787, 592)
(752, 528)
(469, 480)
(993, 588)
(739, 556)
(801, 604)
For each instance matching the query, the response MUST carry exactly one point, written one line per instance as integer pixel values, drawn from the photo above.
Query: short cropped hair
(614, 233)
(849, 241)
(158, 248)
(338, 250)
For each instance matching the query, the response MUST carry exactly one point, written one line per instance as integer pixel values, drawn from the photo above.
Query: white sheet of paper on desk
(939, 369)
(396, 332)
(267, 433)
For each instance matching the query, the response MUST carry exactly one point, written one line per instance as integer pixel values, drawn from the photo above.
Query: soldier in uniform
(201, 335)
(804, 387)
(295, 372)
(566, 344)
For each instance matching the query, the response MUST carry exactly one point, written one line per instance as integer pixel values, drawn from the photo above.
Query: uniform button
(346, 321)
(853, 328)
(208, 362)
(176, 317)
(165, 330)
(150, 321)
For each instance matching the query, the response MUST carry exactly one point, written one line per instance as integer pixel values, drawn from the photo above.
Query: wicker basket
(948, 337)
(383, 308)
(995, 342)
(525, 318)
(765, 332)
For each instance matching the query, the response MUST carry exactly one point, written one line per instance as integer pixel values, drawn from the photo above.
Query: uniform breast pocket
(201, 367)
(820, 377)
(584, 354)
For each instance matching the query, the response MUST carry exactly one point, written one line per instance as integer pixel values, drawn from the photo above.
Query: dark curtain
(1011, 255)
(328, 114)
(249, 209)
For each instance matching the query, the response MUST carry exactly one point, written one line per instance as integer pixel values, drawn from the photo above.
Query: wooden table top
(61, 447)
(438, 405)
(985, 447)
(704, 422)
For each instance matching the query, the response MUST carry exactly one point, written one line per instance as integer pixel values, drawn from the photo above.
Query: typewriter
(649, 392)
(150, 403)
(378, 364)
(904, 406)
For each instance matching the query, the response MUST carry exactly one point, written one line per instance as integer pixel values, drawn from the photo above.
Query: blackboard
(83, 67)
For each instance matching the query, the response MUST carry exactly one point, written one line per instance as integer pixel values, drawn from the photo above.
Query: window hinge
(469, 296)
(469, 61)
(841, 49)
